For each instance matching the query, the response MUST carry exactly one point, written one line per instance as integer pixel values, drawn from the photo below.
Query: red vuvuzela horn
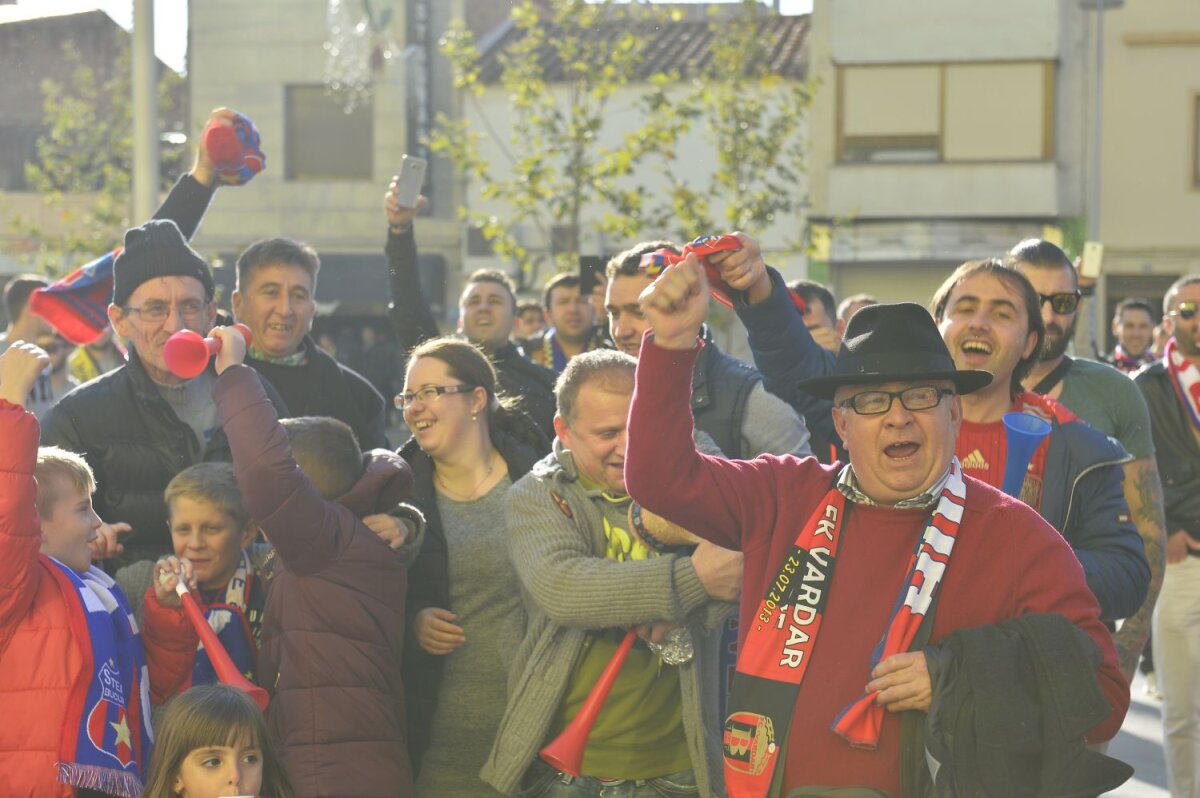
(222, 663)
(186, 353)
(565, 752)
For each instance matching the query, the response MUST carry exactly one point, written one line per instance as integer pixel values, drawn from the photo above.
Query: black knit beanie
(156, 249)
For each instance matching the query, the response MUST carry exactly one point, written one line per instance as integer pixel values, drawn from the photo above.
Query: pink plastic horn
(186, 353)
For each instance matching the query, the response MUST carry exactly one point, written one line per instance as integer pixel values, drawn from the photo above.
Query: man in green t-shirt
(1110, 402)
(588, 573)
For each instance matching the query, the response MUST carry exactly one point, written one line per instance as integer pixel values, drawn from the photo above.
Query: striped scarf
(1185, 376)
(777, 651)
(107, 739)
(234, 622)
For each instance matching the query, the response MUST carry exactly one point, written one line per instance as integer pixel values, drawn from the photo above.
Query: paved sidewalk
(1140, 743)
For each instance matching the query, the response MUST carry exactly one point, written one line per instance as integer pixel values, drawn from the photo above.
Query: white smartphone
(1093, 259)
(409, 181)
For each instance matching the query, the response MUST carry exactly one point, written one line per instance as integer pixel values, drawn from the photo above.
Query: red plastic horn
(186, 353)
(222, 663)
(565, 752)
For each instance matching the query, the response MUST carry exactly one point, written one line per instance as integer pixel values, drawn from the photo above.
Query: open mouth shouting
(976, 349)
(901, 451)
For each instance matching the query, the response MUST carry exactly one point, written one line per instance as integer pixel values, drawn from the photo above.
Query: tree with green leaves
(557, 166)
(87, 148)
(754, 120)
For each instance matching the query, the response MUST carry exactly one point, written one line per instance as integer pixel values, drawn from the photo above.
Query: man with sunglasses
(856, 576)
(987, 314)
(1106, 399)
(1172, 390)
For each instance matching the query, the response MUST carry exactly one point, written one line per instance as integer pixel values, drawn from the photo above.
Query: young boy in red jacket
(212, 536)
(73, 694)
(333, 628)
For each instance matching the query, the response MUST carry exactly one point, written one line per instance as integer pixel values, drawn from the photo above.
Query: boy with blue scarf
(75, 683)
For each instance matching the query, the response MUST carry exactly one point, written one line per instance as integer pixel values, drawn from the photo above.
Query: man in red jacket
(921, 551)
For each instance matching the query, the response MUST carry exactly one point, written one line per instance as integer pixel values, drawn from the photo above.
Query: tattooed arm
(1143, 492)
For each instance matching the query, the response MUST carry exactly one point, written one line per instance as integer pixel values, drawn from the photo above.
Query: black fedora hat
(894, 343)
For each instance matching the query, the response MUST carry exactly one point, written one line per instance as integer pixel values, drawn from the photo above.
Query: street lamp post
(1095, 317)
(145, 113)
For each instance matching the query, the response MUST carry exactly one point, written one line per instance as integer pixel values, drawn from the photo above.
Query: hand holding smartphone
(409, 181)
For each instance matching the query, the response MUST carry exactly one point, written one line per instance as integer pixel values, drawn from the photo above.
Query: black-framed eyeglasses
(1062, 303)
(428, 394)
(157, 312)
(1186, 310)
(874, 403)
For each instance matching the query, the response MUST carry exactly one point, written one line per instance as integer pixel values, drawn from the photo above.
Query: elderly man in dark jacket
(140, 425)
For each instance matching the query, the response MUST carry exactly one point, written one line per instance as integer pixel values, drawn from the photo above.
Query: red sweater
(759, 506)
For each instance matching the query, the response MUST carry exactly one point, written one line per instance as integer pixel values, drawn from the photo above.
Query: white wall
(891, 31)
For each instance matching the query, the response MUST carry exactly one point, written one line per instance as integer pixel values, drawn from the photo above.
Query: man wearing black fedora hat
(896, 551)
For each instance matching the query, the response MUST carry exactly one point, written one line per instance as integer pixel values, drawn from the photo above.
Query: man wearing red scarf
(1172, 390)
(854, 575)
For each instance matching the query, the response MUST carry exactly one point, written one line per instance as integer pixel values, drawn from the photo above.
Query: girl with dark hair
(213, 741)
(464, 607)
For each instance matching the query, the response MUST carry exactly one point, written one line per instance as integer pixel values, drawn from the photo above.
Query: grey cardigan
(569, 589)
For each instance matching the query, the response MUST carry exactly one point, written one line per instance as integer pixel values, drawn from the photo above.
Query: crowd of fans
(427, 615)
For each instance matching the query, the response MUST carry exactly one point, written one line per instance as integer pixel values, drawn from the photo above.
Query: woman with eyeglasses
(465, 616)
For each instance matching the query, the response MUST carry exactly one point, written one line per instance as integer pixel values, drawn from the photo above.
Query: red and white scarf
(778, 648)
(1185, 376)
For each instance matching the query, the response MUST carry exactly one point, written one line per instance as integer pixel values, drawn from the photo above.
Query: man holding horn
(871, 588)
(592, 566)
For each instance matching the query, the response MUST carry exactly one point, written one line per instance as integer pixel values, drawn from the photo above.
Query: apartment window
(323, 142)
(946, 112)
(891, 113)
(478, 245)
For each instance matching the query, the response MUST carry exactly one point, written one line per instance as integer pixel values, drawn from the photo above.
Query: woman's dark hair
(469, 365)
(205, 716)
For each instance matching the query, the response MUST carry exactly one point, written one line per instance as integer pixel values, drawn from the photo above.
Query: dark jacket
(333, 627)
(1011, 704)
(721, 384)
(429, 584)
(135, 454)
(135, 444)
(325, 387)
(520, 378)
(530, 384)
(785, 352)
(1176, 450)
(1086, 504)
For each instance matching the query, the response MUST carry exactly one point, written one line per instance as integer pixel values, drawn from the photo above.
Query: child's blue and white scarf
(107, 736)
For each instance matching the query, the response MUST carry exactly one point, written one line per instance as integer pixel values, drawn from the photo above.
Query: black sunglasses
(1063, 303)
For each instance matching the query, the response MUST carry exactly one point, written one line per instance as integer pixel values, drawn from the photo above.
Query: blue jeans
(543, 781)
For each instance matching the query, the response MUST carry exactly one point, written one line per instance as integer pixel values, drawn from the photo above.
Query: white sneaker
(1150, 687)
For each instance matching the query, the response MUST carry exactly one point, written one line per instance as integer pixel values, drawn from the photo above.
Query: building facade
(1150, 189)
(944, 130)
